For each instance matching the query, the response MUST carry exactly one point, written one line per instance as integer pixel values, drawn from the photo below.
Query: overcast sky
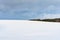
(27, 9)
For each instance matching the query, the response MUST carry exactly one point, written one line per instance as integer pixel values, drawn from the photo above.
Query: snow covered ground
(29, 30)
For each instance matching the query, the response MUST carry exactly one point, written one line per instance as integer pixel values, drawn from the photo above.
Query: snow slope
(29, 30)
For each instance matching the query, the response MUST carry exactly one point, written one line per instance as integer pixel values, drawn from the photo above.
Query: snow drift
(29, 30)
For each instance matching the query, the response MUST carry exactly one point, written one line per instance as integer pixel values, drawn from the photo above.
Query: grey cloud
(29, 7)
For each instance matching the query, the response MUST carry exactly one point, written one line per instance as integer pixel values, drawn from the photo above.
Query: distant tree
(47, 20)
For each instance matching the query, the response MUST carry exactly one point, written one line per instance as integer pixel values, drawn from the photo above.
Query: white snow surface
(29, 30)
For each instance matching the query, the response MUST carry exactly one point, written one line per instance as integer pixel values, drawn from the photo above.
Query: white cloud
(51, 16)
(50, 12)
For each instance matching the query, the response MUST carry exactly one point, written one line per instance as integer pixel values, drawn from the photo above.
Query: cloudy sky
(28, 9)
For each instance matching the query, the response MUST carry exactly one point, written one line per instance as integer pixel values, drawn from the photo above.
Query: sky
(29, 30)
(29, 9)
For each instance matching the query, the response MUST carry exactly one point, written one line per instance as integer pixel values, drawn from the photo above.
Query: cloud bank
(27, 9)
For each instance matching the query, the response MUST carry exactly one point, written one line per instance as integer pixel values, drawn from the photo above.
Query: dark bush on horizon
(47, 20)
